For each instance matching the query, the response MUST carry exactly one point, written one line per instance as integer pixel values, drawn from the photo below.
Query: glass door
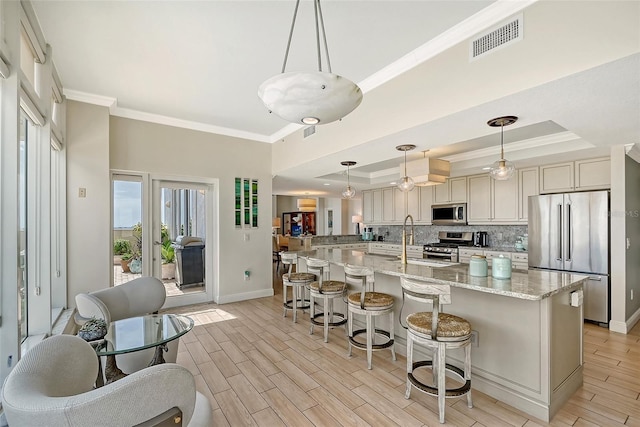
(127, 227)
(182, 240)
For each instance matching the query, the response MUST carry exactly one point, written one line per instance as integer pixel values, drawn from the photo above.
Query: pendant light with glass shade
(310, 98)
(406, 183)
(502, 169)
(348, 192)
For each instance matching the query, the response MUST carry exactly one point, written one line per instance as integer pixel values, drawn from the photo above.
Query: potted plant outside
(124, 262)
(168, 261)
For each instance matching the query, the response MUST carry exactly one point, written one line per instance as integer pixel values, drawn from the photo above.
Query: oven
(440, 253)
(446, 249)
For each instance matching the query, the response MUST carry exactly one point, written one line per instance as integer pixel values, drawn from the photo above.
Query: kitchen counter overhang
(529, 338)
(524, 284)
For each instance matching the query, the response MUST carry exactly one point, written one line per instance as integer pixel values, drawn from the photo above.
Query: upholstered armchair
(138, 297)
(52, 385)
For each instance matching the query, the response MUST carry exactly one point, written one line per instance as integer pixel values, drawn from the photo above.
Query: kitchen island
(529, 337)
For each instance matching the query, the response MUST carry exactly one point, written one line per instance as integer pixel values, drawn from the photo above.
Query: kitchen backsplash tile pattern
(499, 235)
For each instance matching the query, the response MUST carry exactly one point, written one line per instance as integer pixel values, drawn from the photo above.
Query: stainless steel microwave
(452, 214)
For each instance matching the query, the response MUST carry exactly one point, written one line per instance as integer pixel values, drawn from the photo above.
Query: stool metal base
(340, 322)
(450, 392)
(363, 346)
(305, 304)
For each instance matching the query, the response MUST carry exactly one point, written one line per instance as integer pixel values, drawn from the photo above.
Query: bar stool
(328, 290)
(371, 304)
(451, 332)
(298, 282)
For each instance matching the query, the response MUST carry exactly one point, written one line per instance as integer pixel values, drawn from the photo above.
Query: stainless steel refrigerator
(570, 232)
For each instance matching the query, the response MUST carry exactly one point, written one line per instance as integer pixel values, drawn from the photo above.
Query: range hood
(428, 171)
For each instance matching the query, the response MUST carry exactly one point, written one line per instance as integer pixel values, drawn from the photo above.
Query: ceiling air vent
(498, 37)
(308, 131)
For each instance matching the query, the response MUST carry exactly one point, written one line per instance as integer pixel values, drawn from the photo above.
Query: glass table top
(138, 333)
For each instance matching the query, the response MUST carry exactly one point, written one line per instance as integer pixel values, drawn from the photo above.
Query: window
(26, 128)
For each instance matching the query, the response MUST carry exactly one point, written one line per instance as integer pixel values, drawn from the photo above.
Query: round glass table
(139, 333)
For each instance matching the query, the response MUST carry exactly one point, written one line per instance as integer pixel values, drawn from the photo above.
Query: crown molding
(526, 144)
(127, 113)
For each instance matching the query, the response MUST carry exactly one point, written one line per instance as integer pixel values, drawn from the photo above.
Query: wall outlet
(82, 192)
(475, 339)
(246, 237)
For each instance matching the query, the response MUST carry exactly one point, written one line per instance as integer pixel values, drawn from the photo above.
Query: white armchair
(138, 297)
(53, 385)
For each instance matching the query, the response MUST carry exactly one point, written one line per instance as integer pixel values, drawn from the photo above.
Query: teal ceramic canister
(478, 266)
(501, 267)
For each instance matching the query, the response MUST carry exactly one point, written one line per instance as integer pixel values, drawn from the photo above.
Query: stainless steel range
(446, 249)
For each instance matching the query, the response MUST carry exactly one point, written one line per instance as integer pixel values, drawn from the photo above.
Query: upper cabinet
(453, 190)
(412, 202)
(591, 174)
(528, 185)
(387, 205)
(491, 201)
(488, 201)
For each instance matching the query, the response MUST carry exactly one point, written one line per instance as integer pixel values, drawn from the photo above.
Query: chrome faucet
(403, 258)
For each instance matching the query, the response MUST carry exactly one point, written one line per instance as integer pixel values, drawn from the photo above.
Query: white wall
(159, 149)
(88, 219)
(632, 228)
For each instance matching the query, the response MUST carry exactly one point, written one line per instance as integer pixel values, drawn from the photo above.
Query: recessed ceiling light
(326, 183)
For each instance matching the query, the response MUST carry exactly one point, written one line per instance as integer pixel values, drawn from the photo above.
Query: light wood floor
(258, 368)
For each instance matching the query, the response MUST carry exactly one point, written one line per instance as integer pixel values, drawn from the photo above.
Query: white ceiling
(198, 64)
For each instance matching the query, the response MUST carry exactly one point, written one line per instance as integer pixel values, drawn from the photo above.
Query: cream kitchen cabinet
(504, 200)
(479, 199)
(367, 206)
(491, 201)
(591, 174)
(453, 190)
(556, 178)
(495, 254)
(426, 200)
(520, 260)
(465, 254)
(385, 248)
(528, 185)
(413, 204)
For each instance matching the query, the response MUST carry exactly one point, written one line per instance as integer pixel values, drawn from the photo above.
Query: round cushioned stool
(298, 282)
(451, 332)
(371, 304)
(328, 290)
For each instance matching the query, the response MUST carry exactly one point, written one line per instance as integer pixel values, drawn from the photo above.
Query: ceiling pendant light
(406, 182)
(310, 98)
(348, 192)
(502, 169)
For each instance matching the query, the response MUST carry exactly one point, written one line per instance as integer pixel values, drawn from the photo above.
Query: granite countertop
(524, 284)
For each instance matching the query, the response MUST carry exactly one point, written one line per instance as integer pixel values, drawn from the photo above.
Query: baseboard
(625, 327)
(262, 293)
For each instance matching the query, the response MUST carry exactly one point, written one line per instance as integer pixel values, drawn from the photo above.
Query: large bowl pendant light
(502, 169)
(406, 183)
(310, 97)
(349, 192)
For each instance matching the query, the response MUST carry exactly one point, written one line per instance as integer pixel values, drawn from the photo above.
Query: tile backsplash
(499, 235)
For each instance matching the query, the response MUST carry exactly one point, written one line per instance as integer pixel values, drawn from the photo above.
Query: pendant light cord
(502, 141)
(405, 164)
(319, 20)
